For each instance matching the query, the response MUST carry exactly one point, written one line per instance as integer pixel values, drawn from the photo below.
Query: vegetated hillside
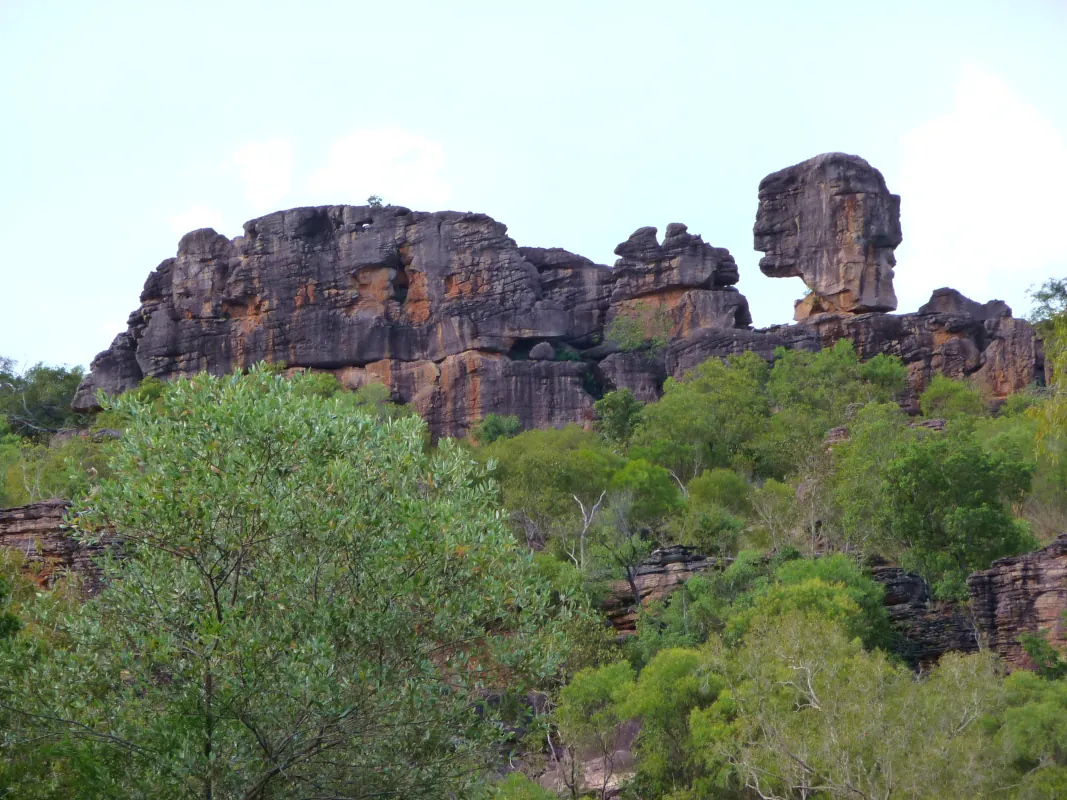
(774, 671)
(283, 588)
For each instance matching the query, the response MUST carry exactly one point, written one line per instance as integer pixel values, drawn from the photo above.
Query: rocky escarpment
(38, 532)
(1024, 594)
(444, 308)
(1020, 595)
(925, 629)
(456, 319)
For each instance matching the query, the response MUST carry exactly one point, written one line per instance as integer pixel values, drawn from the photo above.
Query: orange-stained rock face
(831, 221)
(446, 309)
(38, 532)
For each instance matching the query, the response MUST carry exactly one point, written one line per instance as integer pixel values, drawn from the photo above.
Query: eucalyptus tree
(305, 603)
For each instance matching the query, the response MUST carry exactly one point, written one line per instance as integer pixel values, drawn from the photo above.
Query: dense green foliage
(36, 403)
(308, 603)
(314, 601)
(495, 426)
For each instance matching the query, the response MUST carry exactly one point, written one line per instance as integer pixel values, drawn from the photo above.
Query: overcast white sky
(124, 125)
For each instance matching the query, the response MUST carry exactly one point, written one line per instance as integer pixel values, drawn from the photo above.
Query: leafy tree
(517, 786)
(877, 435)
(951, 399)
(62, 469)
(650, 492)
(589, 720)
(1031, 733)
(554, 482)
(308, 604)
(374, 201)
(774, 509)
(831, 587)
(1050, 303)
(9, 623)
(10, 493)
(886, 377)
(723, 487)
(709, 528)
(37, 402)
(1014, 434)
(826, 383)
(948, 501)
(617, 415)
(806, 712)
(1048, 661)
(703, 605)
(495, 426)
(669, 689)
(706, 419)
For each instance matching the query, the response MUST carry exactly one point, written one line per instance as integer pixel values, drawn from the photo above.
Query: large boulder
(831, 221)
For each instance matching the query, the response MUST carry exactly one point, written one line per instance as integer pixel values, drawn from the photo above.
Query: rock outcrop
(443, 308)
(38, 532)
(657, 577)
(831, 221)
(1024, 594)
(926, 629)
(456, 319)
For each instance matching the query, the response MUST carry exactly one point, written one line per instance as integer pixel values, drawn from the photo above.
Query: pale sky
(124, 125)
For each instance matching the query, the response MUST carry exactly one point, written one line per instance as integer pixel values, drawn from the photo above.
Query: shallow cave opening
(400, 284)
(520, 349)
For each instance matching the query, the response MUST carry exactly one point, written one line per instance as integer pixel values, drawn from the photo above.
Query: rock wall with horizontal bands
(38, 532)
(458, 320)
(1024, 594)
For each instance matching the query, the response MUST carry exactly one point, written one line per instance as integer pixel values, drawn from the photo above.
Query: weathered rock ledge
(38, 532)
(458, 320)
(1024, 594)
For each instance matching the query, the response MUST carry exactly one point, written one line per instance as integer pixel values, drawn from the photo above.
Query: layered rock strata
(444, 308)
(1024, 594)
(38, 532)
(925, 629)
(656, 578)
(456, 319)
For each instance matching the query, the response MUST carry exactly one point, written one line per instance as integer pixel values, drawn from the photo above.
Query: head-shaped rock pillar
(831, 221)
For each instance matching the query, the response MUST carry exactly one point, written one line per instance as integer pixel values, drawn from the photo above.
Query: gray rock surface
(831, 221)
(448, 312)
(542, 351)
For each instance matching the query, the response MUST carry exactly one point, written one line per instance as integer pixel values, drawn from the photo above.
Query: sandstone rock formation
(831, 221)
(1022, 594)
(38, 532)
(443, 308)
(657, 577)
(456, 319)
(926, 629)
